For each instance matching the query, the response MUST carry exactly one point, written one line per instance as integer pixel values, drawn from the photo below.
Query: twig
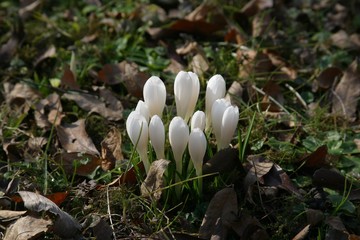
(271, 98)
(297, 95)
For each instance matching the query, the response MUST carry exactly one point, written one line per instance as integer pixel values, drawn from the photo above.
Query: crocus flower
(137, 129)
(142, 109)
(215, 89)
(197, 148)
(217, 112)
(154, 93)
(157, 136)
(198, 120)
(178, 137)
(186, 91)
(228, 125)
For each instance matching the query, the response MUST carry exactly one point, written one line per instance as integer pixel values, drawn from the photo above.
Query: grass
(121, 35)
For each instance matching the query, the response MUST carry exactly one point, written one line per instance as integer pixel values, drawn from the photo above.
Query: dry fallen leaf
(347, 92)
(64, 226)
(327, 77)
(26, 228)
(303, 233)
(220, 214)
(48, 111)
(223, 161)
(48, 53)
(92, 103)
(155, 179)
(7, 215)
(69, 79)
(20, 95)
(73, 138)
(111, 147)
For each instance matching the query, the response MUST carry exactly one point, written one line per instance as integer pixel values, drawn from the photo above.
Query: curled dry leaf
(48, 53)
(48, 111)
(91, 103)
(347, 92)
(7, 215)
(303, 233)
(155, 179)
(20, 95)
(327, 77)
(220, 214)
(28, 227)
(73, 138)
(68, 79)
(64, 226)
(255, 6)
(111, 147)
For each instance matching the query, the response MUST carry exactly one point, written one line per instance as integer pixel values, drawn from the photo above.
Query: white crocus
(215, 89)
(157, 136)
(217, 112)
(178, 137)
(154, 93)
(198, 120)
(197, 148)
(142, 109)
(228, 126)
(186, 91)
(137, 129)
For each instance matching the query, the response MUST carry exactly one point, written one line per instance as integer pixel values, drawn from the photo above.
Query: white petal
(155, 95)
(195, 89)
(197, 148)
(198, 120)
(142, 109)
(178, 137)
(137, 129)
(217, 112)
(215, 89)
(157, 136)
(228, 126)
(182, 92)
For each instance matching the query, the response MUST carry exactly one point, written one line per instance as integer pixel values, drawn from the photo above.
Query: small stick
(271, 98)
(297, 95)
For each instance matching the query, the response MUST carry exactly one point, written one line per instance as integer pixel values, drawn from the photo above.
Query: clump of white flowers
(145, 122)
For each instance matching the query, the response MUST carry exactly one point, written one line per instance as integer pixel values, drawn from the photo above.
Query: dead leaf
(64, 226)
(82, 164)
(223, 161)
(303, 233)
(111, 101)
(255, 6)
(329, 178)
(347, 92)
(220, 214)
(33, 148)
(100, 228)
(155, 179)
(69, 79)
(7, 215)
(48, 111)
(342, 40)
(27, 228)
(314, 216)
(249, 227)
(317, 159)
(91, 103)
(8, 49)
(73, 138)
(27, 8)
(111, 148)
(20, 96)
(327, 77)
(48, 53)
(199, 64)
(127, 73)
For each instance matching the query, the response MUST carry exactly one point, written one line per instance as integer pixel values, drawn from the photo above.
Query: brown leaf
(100, 228)
(199, 64)
(249, 227)
(317, 159)
(73, 138)
(314, 216)
(255, 6)
(7, 215)
(111, 102)
(48, 53)
(65, 226)
(220, 214)
(48, 111)
(111, 148)
(91, 103)
(342, 40)
(69, 79)
(329, 178)
(155, 179)
(328, 76)
(127, 73)
(20, 95)
(82, 164)
(235, 93)
(303, 233)
(223, 161)
(27, 8)
(347, 92)
(27, 228)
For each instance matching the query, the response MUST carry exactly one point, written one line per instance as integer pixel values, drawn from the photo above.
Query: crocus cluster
(145, 122)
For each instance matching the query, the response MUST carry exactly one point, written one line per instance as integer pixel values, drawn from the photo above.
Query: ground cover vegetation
(185, 119)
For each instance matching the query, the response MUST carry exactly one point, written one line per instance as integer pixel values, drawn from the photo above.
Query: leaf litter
(272, 70)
